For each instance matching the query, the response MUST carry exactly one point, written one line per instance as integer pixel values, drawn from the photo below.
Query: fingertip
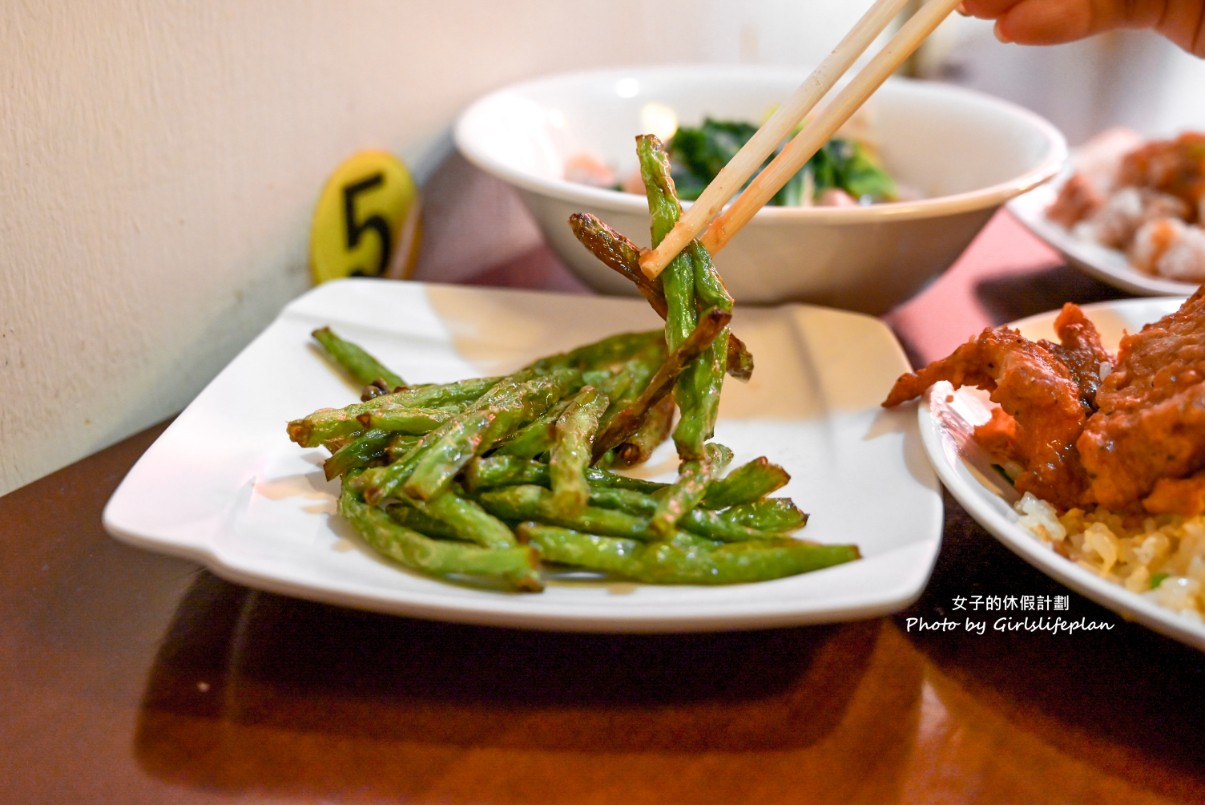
(1001, 36)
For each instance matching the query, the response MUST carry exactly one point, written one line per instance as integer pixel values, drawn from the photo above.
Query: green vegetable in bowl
(844, 163)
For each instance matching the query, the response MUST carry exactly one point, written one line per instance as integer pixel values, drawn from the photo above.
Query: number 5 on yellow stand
(368, 221)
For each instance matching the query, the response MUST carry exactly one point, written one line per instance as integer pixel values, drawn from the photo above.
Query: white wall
(160, 160)
(1124, 78)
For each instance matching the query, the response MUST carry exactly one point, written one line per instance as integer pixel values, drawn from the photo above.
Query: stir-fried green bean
(435, 488)
(767, 514)
(570, 454)
(465, 518)
(673, 563)
(329, 424)
(638, 445)
(530, 502)
(493, 481)
(712, 525)
(748, 482)
(513, 568)
(370, 446)
(688, 491)
(501, 411)
(497, 470)
(353, 359)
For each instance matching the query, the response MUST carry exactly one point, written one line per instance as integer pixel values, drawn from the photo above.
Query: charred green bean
(355, 361)
(513, 568)
(672, 563)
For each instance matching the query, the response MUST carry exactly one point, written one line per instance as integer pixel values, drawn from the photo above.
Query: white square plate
(224, 486)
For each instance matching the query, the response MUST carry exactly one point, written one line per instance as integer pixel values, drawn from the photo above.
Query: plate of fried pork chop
(1139, 447)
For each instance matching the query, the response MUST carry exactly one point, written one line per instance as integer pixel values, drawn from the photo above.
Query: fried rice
(1160, 557)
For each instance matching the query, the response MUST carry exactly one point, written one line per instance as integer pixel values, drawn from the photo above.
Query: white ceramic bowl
(965, 152)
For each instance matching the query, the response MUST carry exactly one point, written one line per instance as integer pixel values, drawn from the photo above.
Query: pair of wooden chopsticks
(702, 215)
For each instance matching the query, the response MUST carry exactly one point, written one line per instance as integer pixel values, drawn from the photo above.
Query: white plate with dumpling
(1084, 251)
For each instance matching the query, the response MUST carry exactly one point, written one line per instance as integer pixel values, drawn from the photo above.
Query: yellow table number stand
(368, 221)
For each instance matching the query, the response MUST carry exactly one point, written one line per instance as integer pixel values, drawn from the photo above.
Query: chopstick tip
(649, 263)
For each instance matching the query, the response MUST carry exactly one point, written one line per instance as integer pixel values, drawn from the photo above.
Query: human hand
(1052, 22)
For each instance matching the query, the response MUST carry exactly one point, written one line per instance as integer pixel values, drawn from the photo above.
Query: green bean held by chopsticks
(623, 424)
(623, 256)
(687, 281)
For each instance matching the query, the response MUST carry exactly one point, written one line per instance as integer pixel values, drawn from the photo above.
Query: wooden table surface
(131, 677)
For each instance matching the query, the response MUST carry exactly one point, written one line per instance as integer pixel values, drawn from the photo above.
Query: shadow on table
(248, 683)
(1020, 295)
(1126, 698)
